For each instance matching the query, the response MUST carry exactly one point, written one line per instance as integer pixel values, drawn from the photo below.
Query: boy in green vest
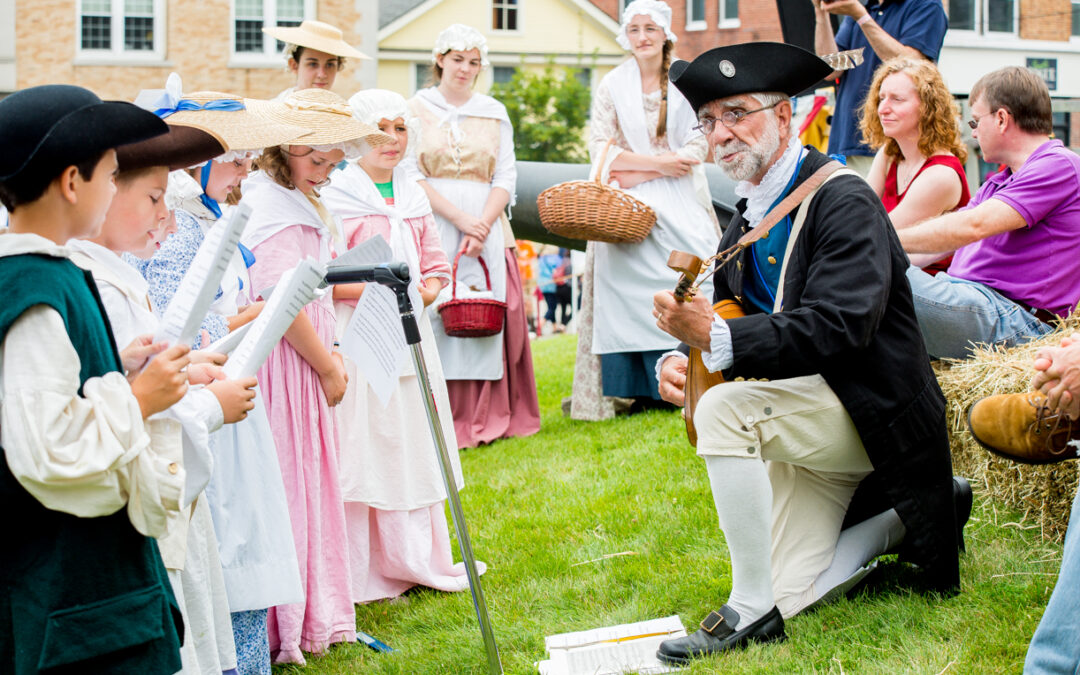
(82, 586)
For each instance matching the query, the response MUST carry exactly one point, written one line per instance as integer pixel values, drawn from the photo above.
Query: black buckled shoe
(716, 635)
(962, 499)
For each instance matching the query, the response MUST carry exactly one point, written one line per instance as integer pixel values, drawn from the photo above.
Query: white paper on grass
(375, 340)
(629, 648)
(227, 344)
(295, 289)
(188, 307)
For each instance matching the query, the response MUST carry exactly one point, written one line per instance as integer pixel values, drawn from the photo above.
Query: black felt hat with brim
(45, 129)
(181, 148)
(752, 67)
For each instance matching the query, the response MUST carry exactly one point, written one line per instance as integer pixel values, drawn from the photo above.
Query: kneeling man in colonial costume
(838, 452)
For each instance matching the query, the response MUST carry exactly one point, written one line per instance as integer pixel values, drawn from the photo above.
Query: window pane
(249, 36)
(96, 32)
(290, 10)
(278, 44)
(138, 33)
(962, 14)
(249, 9)
(423, 75)
(139, 7)
(1001, 15)
(584, 76)
(511, 19)
(97, 7)
(731, 9)
(502, 74)
(1076, 18)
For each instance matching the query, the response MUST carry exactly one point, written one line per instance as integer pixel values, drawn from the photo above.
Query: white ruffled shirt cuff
(721, 356)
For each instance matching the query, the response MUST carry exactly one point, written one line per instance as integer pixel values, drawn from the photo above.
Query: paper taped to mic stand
(374, 339)
(296, 288)
(182, 318)
(629, 648)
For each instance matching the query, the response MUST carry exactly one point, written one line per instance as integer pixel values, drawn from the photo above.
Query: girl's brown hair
(939, 116)
(661, 123)
(275, 163)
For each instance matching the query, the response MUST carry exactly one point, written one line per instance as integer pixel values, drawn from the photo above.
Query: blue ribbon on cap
(224, 104)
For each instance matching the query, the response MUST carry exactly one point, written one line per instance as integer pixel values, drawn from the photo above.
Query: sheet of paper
(227, 344)
(374, 250)
(295, 289)
(629, 648)
(375, 340)
(188, 307)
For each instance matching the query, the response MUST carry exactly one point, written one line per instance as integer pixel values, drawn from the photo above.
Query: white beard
(755, 158)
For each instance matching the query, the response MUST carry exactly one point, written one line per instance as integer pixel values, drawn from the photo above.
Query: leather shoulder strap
(789, 203)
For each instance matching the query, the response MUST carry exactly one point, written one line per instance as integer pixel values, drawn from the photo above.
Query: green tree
(548, 110)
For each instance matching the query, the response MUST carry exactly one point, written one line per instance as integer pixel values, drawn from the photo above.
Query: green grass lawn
(539, 507)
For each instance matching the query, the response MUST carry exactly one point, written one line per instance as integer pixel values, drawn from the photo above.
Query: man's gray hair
(770, 98)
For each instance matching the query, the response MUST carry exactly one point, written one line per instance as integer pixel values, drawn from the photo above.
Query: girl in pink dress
(392, 484)
(303, 377)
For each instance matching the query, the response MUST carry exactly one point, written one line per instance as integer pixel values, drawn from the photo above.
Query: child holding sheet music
(391, 481)
(84, 485)
(189, 549)
(246, 496)
(302, 378)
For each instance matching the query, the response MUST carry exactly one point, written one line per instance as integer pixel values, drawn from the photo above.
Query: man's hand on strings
(690, 322)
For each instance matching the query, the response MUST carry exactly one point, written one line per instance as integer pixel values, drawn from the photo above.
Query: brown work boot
(1022, 428)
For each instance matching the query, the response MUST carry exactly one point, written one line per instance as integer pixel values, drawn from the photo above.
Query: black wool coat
(848, 315)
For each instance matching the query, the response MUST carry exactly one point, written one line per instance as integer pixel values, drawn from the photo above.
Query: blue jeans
(1056, 645)
(953, 313)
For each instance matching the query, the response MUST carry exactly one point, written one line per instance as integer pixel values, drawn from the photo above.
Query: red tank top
(890, 198)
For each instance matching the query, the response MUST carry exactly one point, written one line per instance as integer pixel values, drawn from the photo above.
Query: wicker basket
(471, 317)
(588, 209)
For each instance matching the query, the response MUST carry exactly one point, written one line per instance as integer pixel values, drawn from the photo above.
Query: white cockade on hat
(462, 38)
(659, 12)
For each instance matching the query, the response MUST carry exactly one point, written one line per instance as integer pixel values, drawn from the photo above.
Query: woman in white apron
(656, 156)
(465, 160)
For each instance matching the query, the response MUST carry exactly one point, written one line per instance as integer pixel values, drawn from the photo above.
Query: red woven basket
(471, 317)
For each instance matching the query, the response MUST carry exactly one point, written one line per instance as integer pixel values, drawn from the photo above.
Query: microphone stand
(395, 276)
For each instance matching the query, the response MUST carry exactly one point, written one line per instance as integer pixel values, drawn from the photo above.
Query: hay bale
(1043, 494)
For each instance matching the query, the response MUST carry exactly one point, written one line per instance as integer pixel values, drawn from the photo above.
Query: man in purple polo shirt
(1017, 241)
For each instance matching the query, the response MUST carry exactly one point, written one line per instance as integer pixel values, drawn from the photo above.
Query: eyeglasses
(729, 118)
(974, 121)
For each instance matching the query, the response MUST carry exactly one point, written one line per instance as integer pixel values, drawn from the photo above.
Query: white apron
(466, 358)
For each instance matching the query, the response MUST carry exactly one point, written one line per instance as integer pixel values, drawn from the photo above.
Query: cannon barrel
(535, 177)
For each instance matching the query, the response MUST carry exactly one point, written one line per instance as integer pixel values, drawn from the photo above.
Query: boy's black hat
(752, 67)
(181, 148)
(45, 129)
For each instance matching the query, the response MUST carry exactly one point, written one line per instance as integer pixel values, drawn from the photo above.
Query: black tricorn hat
(47, 128)
(751, 67)
(181, 148)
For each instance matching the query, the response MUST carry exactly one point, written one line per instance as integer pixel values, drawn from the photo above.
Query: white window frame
(116, 52)
(696, 23)
(519, 12)
(270, 57)
(727, 21)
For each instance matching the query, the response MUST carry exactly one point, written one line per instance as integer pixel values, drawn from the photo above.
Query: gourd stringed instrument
(698, 377)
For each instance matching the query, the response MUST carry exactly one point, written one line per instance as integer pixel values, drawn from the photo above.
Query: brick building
(117, 47)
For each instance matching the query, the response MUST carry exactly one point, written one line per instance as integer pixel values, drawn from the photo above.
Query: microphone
(389, 274)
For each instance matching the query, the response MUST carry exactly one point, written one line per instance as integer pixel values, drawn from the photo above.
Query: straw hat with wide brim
(234, 129)
(316, 35)
(326, 114)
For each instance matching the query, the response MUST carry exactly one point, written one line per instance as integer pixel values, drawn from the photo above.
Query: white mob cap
(462, 38)
(370, 106)
(659, 12)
